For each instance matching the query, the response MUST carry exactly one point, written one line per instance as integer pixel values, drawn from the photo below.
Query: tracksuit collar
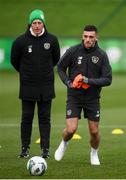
(33, 34)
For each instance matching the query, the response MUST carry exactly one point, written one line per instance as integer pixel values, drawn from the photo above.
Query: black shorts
(75, 105)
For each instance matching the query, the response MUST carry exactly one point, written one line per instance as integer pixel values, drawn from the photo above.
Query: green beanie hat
(36, 14)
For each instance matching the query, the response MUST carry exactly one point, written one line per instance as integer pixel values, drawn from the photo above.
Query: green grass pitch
(76, 163)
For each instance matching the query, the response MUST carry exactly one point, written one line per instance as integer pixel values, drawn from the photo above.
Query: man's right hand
(79, 82)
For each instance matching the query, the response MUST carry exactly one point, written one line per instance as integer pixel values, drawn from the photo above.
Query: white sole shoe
(59, 153)
(94, 159)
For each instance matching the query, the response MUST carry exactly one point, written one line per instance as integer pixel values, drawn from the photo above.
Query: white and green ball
(37, 166)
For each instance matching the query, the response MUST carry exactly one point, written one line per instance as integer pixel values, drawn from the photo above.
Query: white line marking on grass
(60, 125)
(9, 125)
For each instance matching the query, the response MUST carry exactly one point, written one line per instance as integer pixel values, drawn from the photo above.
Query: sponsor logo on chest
(30, 48)
(79, 60)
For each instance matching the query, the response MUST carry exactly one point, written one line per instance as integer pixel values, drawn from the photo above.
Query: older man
(34, 55)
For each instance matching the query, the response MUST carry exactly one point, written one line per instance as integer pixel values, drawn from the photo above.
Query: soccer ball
(37, 166)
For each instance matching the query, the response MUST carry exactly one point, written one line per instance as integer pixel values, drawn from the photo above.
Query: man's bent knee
(70, 131)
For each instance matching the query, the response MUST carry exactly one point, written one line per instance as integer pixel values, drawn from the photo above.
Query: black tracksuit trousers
(44, 111)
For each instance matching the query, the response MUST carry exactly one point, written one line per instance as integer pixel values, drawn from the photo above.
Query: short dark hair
(90, 28)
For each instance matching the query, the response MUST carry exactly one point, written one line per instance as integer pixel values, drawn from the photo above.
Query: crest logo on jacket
(46, 46)
(30, 48)
(79, 60)
(95, 59)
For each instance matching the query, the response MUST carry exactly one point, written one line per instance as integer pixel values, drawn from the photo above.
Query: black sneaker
(45, 153)
(24, 152)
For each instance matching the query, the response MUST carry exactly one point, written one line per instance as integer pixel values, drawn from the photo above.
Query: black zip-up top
(92, 63)
(34, 58)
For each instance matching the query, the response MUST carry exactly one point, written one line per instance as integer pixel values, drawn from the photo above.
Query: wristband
(85, 80)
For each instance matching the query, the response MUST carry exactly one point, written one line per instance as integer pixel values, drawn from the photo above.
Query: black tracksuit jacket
(34, 58)
(92, 63)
